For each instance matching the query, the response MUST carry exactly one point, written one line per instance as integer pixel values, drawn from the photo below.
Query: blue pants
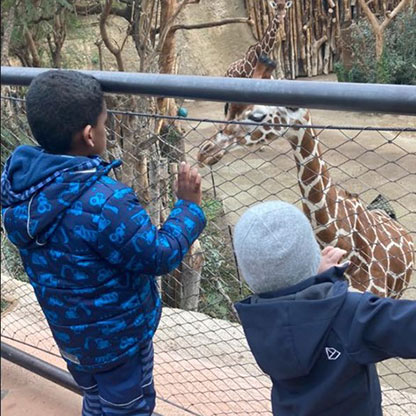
(126, 390)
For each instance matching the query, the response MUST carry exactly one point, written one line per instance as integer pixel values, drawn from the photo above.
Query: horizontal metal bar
(49, 371)
(399, 99)
(39, 367)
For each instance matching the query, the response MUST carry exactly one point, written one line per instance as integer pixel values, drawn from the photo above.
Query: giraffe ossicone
(380, 250)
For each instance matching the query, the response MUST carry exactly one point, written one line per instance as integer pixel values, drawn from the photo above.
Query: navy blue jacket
(91, 252)
(318, 343)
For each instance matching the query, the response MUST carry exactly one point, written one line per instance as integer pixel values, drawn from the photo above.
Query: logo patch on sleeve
(332, 353)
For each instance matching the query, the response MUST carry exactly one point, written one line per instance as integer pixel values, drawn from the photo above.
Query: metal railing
(398, 99)
(203, 363)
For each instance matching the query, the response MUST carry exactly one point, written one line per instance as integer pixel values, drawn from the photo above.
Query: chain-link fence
(202, 361)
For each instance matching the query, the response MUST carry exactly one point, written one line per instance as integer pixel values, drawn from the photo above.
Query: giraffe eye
(257, 117)
(293, 108)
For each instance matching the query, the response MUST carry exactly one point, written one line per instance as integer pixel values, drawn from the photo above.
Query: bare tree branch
(169, 23)
(32, 48)
(103, 30)
(90, 9)
(378, 28)
(390, 16)
(209, 24)
(59, 36)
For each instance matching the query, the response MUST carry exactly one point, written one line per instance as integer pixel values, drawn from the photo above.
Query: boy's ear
(88, 136)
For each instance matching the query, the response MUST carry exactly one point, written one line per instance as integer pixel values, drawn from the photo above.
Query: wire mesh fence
(202, 361)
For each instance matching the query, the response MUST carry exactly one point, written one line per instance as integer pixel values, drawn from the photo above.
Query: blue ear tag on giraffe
(182, 112)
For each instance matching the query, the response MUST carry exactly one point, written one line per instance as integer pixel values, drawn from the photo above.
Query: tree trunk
(59, 35)
(309, 21)
(191, 277)
(379, 42)
(8, 29)
(33, 49)
(378, 28)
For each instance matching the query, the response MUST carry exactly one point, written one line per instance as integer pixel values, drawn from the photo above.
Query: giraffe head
(280, 6)
(254, 124)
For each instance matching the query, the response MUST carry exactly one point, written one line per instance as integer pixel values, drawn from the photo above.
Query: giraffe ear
(273, 4)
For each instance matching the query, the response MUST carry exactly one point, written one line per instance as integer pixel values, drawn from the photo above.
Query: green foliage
(14, 126)
(95, 58)
(65, 4)
(171, 143)
(219, 273)
(4, 304)
(14, 132)
(37, 18)
(11, 261)
(397, 64)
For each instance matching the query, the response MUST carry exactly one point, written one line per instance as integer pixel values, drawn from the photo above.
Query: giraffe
(380, 251)
(244, 67)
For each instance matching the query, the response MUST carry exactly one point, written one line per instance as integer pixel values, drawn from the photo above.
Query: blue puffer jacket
(91, 252)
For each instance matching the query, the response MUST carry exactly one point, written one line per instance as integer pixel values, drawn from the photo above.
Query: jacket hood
(38, 187)
(286, 329)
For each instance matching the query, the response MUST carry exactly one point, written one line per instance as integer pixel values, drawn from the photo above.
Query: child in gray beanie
(275, 246)
(317, 340)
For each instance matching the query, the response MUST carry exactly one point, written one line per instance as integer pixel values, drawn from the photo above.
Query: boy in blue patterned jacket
(88, 247)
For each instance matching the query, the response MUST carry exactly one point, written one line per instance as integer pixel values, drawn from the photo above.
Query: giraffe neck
(245, 66)
(267, 43)
(319, 196)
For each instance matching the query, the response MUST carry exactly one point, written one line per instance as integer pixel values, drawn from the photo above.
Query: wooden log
(301, 34)
(306, 24)
(191, 277)
(347, 10)
(293, 41)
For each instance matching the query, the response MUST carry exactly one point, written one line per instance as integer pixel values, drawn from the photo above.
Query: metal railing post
(40, 367)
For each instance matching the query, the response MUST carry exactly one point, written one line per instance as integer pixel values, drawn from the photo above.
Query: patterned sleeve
(128, 238)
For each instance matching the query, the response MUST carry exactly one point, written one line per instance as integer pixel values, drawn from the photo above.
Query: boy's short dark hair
(61, 103)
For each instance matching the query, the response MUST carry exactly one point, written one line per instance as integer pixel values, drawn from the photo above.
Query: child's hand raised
(330, 256)
(188, 185)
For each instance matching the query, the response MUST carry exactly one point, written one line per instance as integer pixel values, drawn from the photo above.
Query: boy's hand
(188, 186)
(330, 256)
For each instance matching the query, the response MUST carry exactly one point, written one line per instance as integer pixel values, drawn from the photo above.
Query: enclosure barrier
(39, 367)
(398, 99)
(202, 361)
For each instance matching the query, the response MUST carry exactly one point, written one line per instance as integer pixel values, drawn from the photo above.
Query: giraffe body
(380, 251)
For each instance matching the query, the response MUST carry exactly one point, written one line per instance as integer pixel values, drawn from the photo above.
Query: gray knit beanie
(275, 246)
